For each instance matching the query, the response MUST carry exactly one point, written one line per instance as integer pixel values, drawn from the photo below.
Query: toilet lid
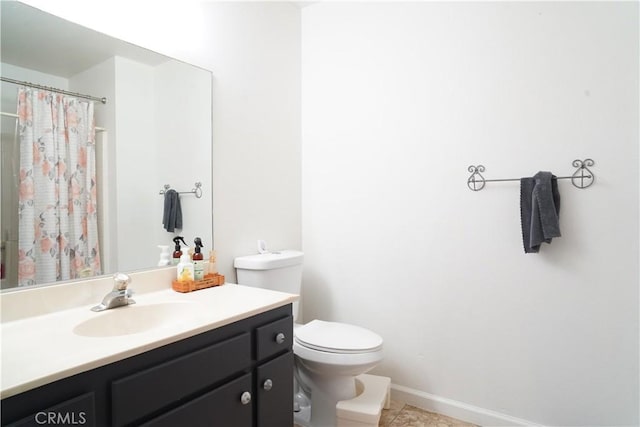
(337, 337)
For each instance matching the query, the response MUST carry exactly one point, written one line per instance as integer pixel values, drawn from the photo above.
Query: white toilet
(328, 355)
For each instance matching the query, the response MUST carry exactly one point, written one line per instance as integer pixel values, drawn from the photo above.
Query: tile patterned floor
(401, 415)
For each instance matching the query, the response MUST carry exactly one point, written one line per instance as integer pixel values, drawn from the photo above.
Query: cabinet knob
(280, 338)
(268, 385)
(245, 398)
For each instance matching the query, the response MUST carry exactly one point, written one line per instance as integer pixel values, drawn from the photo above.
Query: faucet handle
(121, 281)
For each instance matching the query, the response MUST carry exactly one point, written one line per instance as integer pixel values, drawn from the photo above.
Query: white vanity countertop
(40, 349)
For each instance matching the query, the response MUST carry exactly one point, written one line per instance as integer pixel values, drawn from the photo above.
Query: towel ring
(476, 181)
(578, 178)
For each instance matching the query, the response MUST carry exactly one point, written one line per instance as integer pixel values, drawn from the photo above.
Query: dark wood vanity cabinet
(275, 401)
(236, 375)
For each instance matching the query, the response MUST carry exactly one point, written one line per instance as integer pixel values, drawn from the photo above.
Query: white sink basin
(134, 319)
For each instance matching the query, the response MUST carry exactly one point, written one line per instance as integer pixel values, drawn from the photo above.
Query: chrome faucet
(119, 296)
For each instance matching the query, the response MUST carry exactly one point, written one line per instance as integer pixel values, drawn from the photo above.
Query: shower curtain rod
(53, 89)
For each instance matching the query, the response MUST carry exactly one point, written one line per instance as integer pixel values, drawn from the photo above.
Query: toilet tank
(278, 271)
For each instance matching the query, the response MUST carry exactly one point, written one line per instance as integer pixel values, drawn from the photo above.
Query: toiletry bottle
(164, 256)
(177, 253)
(213, 265)
(198, 260)
(185, 268)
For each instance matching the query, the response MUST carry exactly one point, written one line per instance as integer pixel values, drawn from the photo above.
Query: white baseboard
(453, 408)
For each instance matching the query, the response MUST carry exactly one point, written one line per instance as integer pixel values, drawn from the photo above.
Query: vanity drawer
(222, 407)
(79, 410)
(152, 389)
(274, 337)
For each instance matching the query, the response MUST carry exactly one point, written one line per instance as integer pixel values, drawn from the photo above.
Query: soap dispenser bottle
(164, 255)
(177, 253)
(185, 268)
(198, 260)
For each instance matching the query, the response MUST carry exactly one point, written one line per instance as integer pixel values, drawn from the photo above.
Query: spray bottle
(198, 260)
(177, 253)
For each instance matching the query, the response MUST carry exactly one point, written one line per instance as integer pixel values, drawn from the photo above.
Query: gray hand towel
(172, 216)
(539, 210)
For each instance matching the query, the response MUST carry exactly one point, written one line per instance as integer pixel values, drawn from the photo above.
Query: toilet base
(373, 393)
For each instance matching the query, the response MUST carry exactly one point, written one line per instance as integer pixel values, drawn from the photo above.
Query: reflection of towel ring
(197, 190)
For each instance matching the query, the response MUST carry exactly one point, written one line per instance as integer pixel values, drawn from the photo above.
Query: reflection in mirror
(154, 130)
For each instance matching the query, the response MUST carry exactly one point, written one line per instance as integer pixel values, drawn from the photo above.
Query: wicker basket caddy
(209, 281)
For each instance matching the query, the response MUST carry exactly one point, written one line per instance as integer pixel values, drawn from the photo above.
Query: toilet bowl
(332, 348)
(328, 355)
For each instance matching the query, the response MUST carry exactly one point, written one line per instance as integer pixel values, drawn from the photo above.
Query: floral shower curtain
(58, 229)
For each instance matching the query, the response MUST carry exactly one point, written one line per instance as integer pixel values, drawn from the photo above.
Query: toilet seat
(341, 362)
(338, 338)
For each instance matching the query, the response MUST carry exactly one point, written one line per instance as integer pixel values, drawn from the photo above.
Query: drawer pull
(280, 338)
(245, 398)
(268, 385)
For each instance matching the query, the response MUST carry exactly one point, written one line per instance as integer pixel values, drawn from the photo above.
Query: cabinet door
(226, 406)
(274, 385)
(80, 410)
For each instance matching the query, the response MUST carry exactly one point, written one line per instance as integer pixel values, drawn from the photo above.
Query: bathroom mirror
(155, 130)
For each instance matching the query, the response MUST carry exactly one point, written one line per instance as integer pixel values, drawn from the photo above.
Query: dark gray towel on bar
(539, 210)
(172, 217)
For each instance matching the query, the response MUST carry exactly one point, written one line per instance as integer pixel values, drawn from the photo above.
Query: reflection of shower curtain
(58, 231)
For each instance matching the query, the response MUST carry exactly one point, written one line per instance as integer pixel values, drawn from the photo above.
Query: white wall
(179, 164)
(398, 100)
(101, 78)
(254, 53)
(253, 50)
(136, 166)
